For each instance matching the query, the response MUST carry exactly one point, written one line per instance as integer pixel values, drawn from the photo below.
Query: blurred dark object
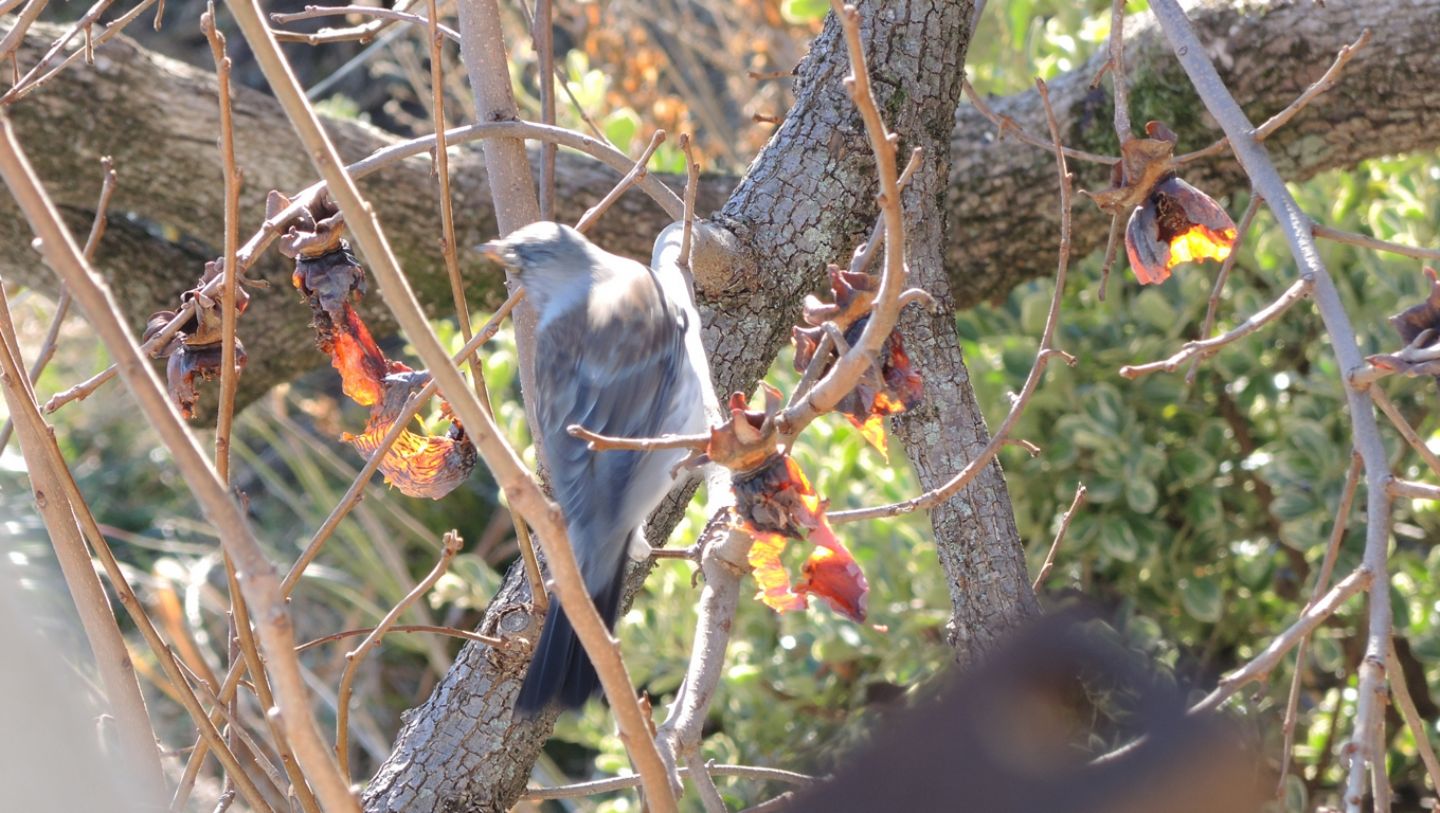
(1006, 736)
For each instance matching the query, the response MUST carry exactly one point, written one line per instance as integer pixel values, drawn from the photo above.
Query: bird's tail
(560, 669)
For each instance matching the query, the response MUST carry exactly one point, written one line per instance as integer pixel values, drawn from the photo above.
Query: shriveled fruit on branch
(774, 504)
(419, 465)
(1419, 327)
(888, 388)
(195, 350)
(331, 279)
(1171, 222)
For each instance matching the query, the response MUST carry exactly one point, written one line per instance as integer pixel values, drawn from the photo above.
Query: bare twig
(273, 226)
(542, 37)
(230, 285)
(1366, 241)
(1413, 490)
(1117, 70)
(1366, 432)
(363, 33)
(62, 305)
(636, 172)
(1260, 667)
(1009, 125)
(464, 635)
(1419, 728)
(1204, 348)
(1405, 429)
(1112, 249)
(1275, 122)
(723, 564)
(348, 502)
(329, 35)
(83, 24)
(97, 619)
(257, 575)
(449, 548)
(250, 651)
(520, 489)
(852, 364)
(105, 36)
(1322, 583)
(598, 442)
(1037, 370)
(692, 182)
(1208, 326)
(1059, 537)
(593, 787)
(16, 34)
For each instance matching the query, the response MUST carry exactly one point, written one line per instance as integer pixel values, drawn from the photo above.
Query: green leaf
(1202, 599)
(1118, 540)
(1191, 466)
(797, 12)
(1141, 495)
(621, 127)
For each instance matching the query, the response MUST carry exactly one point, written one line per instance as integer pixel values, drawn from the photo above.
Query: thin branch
(16, 35)
(1419, 728)
(105, 36)
(230, 285)
(349, 501)
(62, 305)
(240, 736)
(250, 651)
(1413, 490)
(1207, 328)
(56, 507)
(274, 226)
(1205, 348)
(1260, 667)
(1009, 125)
(1366, 241)
(1405, 429)
(325, 35)
(449, 548)
(597, 786)
(636, 172)
(600, 443)
(83, 24)
(453, 632)
(723, 565)
(692, 182)
(852, 364)
(1194, 58)
(510, 474)
(1117, 70)
(542, 38)
(363, 33)
(1275, 122)
(1322, 583)
(258, 577)
(1043, 356)
(1059, 537)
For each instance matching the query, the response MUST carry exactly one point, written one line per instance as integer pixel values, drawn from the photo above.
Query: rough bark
(1002, 195)
(158, 118)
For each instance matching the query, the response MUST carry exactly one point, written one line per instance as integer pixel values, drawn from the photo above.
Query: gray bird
(611, 356)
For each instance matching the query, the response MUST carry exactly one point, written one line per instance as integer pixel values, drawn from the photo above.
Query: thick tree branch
(158, 118)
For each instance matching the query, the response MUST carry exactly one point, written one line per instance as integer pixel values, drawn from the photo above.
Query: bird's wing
(611, 365)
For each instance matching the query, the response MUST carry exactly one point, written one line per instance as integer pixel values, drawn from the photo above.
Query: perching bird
(611, 356)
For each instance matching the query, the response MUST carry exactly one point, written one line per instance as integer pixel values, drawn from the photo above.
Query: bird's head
(549, 259)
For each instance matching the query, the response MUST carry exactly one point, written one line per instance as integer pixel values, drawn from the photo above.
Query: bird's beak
(493, 251)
